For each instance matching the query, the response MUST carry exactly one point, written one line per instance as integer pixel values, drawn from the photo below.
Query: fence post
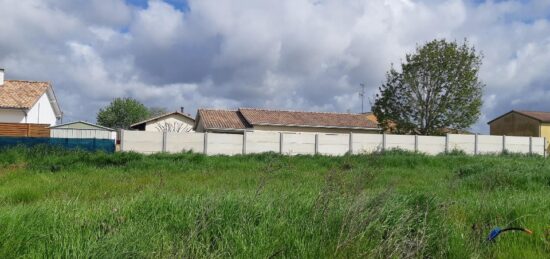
(415, 143)
(244, 142)
(317, 143)
(351, 143)
(205, 143)
(164, 135)
(121, 140)
(447, 143)
(503, 144)
(544, 148)
(530, 145)
(384, 142)
(475, 145)
(281, 139)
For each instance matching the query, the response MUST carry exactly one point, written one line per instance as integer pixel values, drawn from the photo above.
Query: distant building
(82, 129)
(169, 122)
(237, 121)
(28, 102)
(522, 123)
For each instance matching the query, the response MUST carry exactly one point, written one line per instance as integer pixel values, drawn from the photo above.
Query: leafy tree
(437, 88)
(121, 113)
(157, 111)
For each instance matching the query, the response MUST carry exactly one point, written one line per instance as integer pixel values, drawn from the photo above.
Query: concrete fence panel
(142, 141)
(538, 146)
(181, 142)
(459, 142)
(402, 142)
(262, 142)
(367, 143)
(224, 144)
(333, 144)
(489, 144)
(517, 144)
(432, 145)
(298, 144)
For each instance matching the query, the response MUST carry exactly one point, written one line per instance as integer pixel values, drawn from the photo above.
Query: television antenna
(362, 95)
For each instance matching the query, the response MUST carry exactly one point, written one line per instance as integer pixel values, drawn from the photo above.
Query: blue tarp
(106, 145)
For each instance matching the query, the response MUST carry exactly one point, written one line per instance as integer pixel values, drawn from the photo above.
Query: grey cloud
(294, 54)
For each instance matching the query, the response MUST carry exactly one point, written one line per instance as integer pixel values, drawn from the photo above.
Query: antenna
(362, 95)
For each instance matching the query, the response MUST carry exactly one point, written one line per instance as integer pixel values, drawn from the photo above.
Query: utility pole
(362, 95)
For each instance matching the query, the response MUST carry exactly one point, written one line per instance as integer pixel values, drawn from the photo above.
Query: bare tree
(173, 127)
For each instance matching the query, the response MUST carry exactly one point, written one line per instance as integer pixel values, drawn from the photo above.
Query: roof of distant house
(83, 122)
(537, 115)
(160, 117)
(247, 117)
(16, 94)
(221, 119)
(307, 119)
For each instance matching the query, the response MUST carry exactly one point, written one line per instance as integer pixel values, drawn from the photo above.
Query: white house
(28, 102)
(169, 122)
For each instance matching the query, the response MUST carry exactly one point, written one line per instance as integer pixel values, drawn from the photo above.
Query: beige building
(169, 122)
(522, 123)
(237, 121)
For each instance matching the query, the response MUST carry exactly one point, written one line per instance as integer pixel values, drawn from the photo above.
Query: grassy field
(74, 204)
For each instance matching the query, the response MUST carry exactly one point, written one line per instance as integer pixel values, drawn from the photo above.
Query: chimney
(1, 76)
(181, 109)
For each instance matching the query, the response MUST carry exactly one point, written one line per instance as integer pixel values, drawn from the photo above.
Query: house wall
(186, 123)
(79, 125)
(42, 112)
(514, 124)
(311, 129)
(545, 132)
(12, 116)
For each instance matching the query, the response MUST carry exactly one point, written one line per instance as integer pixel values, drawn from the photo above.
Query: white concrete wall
(262, 142)
(42, 112)
(465, 143)
(224, 144)
(333, 144)
(538, 146)
(431, 145)
(489, 144)
(366, 143)
(181, 142)
(12, 116)
(517, 144)
(298, 144)
(142, 141)
(82, 133)
(402, 142)
(326, 144)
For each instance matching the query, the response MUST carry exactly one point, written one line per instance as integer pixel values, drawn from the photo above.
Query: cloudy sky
(285, 54)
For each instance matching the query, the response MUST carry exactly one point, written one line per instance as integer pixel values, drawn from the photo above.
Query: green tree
(157, 111)
(121, 113)
(437, 88)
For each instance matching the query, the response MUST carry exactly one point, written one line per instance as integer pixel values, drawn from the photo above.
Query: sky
(281, 54)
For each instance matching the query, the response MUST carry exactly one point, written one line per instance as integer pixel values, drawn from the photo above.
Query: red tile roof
(311, 119)
(21, 94)
(221, 119)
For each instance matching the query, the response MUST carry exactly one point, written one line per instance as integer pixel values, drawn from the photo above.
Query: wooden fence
(24, 130)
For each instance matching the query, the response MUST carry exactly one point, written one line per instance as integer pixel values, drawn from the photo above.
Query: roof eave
(314, 126)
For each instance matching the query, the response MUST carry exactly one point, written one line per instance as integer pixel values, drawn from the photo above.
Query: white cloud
(296, 54)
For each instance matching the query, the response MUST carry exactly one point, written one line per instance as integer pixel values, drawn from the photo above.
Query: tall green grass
(66, 204)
